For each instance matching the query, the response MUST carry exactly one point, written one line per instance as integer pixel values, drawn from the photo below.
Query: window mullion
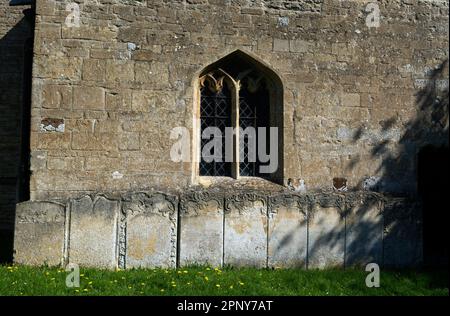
(235, 125)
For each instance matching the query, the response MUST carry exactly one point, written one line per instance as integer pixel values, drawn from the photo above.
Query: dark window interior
(215, 111)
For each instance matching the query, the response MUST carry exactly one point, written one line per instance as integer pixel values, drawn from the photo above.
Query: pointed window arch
(241, 93)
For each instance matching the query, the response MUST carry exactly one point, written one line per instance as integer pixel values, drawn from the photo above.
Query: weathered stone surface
(151, 230)
(93, 232)
(288, 231)
(352, 107)
(326, 246)
(364, 229)
(201, 229)
(139, 65)
(245, 241)
(39, 233)
(403, 236)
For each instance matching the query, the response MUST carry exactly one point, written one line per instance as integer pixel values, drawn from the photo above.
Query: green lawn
(20, 280)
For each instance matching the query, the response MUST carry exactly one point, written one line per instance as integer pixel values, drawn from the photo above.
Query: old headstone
(364, 234)
(288, 231)
(39, 233)
(151, 228)
(201, 229)
(93, 232)
(245, 241)
(403, 236)
(326, 246)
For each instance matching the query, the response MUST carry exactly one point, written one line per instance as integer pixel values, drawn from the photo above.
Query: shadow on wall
(429, 127)
(363, 230)
(408, 230)
(15, 94)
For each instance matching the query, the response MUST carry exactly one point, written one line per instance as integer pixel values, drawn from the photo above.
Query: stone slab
(151, 230)
(39, 233)
(326, 227)
(364, 229)
(403, 236)
(201, 229)
(245, 241)
(288, 231)
(93, 232)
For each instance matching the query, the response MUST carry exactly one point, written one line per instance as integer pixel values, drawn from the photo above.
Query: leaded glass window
(238, 92)
(215, 111)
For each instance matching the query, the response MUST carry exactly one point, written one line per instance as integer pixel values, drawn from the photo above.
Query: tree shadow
(396, 233)
(15, 99)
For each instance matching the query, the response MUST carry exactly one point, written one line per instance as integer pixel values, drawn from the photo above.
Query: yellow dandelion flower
(206, 278)
(162, 290)
(231, 287)
(185, 272)
(90, 283)
(218, 285)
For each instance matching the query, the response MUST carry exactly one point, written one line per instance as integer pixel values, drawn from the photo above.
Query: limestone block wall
(221, 228)
(107, 94)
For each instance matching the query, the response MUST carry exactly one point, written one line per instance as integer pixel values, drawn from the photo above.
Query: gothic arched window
(243, 95)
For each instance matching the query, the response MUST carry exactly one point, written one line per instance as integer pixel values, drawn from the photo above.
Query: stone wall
(220, 228)
(14, 33)
(107, 94)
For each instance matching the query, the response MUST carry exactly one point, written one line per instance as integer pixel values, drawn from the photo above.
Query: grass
(201, 281)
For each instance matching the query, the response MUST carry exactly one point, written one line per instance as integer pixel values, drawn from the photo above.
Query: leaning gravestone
(288, 231)
(151, 230)
(39, 233)
(93, 232)
(201, 229)
(326, 226)
(364, 233)
(403, 236)
(245, 242)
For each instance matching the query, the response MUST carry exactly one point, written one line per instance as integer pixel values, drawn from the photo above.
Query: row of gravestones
(212, 228)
